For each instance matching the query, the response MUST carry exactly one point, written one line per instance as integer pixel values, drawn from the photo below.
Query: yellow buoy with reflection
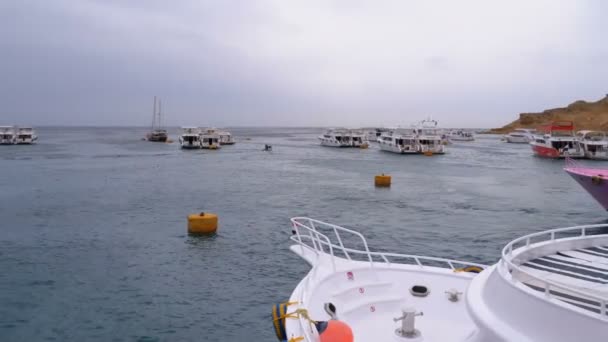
(428, 153)
(382, 180)
(203, 223)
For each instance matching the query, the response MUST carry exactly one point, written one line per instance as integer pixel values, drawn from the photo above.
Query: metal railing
(549, 286)
(306, 233)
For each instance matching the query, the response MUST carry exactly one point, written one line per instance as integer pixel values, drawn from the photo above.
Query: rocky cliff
(585, 115)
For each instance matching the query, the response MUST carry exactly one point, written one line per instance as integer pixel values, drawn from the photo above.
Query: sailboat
(157, 134)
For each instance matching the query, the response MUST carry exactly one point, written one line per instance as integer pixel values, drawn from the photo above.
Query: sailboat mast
(154, 114)
(159, 111)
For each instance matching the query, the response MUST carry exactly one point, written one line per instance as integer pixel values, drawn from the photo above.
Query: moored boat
(400, 140)
(190, 138)
(7, 135)
(157, 133)
(210, 139)
(520, 136)
(25, 136)
(460, 135)
(343, 138)
(558, 142)
(225, 138)
(547, 286)
(594, 144)
(429, 138)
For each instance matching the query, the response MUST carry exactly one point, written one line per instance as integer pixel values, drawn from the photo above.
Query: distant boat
(594, 144)
(7, 135)
(593, 180)
(558, 142)
(403, 141)
(190, 138)
(460, 135)
(25, 136)
(429, 138)
(157, 134)
(520, 136)
(210, 139)
(344, 138)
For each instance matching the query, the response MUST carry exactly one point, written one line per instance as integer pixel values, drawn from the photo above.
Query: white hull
(398, 149)
(332, 143)
(461, 139)
(547, 286)
(517, 140)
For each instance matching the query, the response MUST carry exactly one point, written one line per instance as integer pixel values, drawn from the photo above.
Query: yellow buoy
(364, 146)
(382, 180)
(428, 153)
(203, 223)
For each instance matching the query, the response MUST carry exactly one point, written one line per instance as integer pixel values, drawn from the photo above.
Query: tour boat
(157, 133)
(548, 286)
(460, 135)
(593, 180)
(429, 138)
(25, 136)
(190, 138)
(520, 136)
(400, 140)
(225, 138)
(594, 144)
(210, 139)
(558, 142)
(7, 135)
(343, 138)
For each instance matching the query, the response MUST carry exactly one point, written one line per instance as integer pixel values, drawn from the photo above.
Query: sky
(297, 63)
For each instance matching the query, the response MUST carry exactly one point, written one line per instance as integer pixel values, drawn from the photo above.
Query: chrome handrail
(318, 240)
(548, 285)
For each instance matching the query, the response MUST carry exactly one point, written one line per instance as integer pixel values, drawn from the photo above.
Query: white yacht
(359, 139)
(520, 136)
(337, 138)
(7, 135)
(594, 144)
(190, 138)
(401, 140)
(210, 139)
(25, 136)
(460, 135)
(226, 138)
(549, 286)
(429, 138)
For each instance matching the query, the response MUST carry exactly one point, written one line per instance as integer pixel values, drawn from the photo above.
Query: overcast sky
(312, 63)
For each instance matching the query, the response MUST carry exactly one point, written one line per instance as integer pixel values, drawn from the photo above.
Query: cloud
(473, 63)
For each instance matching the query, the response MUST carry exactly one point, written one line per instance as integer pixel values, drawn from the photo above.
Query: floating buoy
(169, 141)
(382, 180)
(364, 146)
(428, 153)
(203, 223)
(334, 331)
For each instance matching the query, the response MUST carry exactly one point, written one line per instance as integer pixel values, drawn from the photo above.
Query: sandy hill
(585, 115)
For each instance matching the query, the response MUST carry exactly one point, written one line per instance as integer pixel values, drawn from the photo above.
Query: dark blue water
(93, 243)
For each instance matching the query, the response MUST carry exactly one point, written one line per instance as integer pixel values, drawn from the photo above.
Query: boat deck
(585, 269)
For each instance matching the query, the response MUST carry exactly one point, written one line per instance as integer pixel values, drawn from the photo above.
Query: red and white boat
(559, 141)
